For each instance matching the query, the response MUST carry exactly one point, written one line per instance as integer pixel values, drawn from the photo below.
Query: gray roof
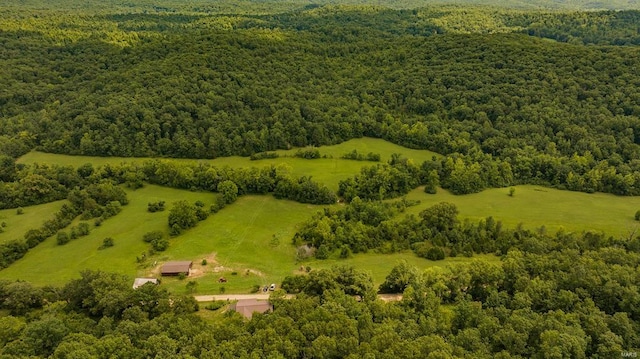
(247, 307)
(139, 282)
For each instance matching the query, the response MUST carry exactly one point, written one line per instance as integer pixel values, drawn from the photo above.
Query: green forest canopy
(561, 113)
(486, 88)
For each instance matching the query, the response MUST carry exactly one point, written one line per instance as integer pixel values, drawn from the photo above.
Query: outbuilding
(247, 307)
(176, 268)
(139, 282)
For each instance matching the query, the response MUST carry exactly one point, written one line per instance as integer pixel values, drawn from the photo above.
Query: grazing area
(250, 241)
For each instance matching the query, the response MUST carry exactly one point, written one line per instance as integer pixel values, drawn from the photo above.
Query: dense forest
(194, 85)
(537, 92)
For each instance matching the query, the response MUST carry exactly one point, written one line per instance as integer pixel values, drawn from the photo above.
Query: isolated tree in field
(229, 191)
(182, 216)
(637, 216)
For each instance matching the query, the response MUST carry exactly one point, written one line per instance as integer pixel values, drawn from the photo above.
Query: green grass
(33, 217)
(536, 206)
(329, 171)
(49, 263)
(251, 238)
(241, 237)
(249, 242)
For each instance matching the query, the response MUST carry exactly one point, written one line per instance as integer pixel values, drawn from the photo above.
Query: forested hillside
(477, 83)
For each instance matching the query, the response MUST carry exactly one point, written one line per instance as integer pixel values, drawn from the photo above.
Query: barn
(176, 268)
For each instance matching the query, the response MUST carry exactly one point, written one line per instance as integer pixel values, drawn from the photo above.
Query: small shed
(139, 282)
(247, 307)
(176, 268)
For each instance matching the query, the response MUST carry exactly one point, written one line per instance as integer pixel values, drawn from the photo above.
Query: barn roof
(176, 267)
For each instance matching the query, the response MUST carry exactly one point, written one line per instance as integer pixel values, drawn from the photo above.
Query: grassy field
(49, 263)
(248, 242)
(330, 170)
(33, 217)
(536, 206)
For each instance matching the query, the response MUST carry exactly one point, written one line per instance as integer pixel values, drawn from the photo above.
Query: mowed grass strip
(32, 217)
(536, 206)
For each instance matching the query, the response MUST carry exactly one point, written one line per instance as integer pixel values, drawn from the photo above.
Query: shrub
(345, 252)
(155, 206)
(204, 262)
(263, 156)
(354, 155)
(83, 229)
(229, 191)
(638, 215)
(111, 209)
(308, 153)
(106, 243)
(435, 254)
(216, 305)
(218, 204)
(62, 238)
(160, 245)
(152, 236)
(19, 211)
(322, 252)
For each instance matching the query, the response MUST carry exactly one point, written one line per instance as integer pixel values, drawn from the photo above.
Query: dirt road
(261, 296)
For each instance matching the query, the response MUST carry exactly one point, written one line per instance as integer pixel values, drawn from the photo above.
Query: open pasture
(329, 170)
(249, 242)
(16, 225)
(536, 206)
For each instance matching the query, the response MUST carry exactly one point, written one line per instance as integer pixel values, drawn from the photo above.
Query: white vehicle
(272, 287)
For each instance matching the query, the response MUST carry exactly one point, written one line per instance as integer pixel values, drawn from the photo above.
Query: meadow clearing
(249, 242)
